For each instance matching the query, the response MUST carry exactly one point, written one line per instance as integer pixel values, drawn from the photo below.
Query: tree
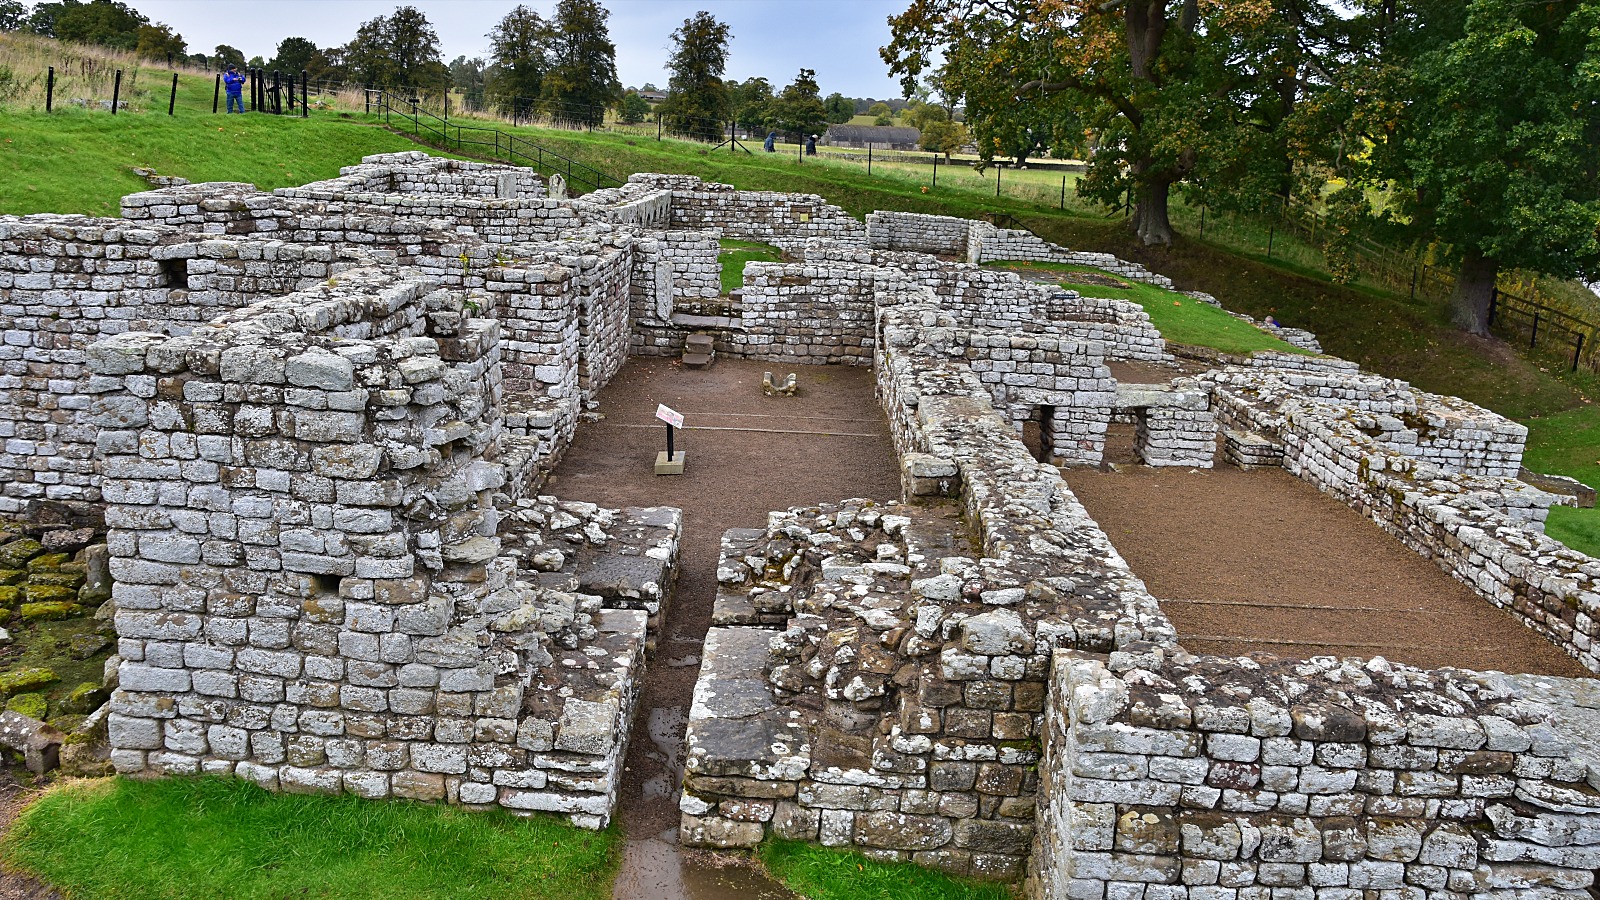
(1479, 126)
(228, 56)
(839, 108)
(634, 108)
(1160, 82)
(158, 41)
(582, 81)
(521, 44)
(466, 76)
(400, 50)
(13, 15)
(108, 23)
(943, 136)
(750, 102)
(698, 103)
(881, 114)
(294, 55)
(798, 108)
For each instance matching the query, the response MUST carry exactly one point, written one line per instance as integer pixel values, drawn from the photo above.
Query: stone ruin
(314, 424)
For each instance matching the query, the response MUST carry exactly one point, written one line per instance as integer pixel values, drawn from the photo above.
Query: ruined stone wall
(1175, 776)
(923, 635)
(309, 586)
(677, 290)
(70, 280)
(940, 235)
(783, 220)
(415, 172)
(809, 314)
(996, 299)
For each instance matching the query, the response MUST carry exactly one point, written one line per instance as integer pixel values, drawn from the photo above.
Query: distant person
(771, 146)
(234, 82)
(811, 145)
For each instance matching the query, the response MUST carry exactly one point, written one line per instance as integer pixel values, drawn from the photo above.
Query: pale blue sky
(771, 38)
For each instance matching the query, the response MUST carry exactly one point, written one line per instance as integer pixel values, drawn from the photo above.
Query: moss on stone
(23, 679)
(48, 562)
(10, 594)
(85, 698)
(34, 706)
(57, 579)
(16, 554)
(49, 593)
(50, 610)
(13, 576)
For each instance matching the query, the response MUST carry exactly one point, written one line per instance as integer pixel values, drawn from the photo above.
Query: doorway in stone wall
(1037, 433)
(1122, 440)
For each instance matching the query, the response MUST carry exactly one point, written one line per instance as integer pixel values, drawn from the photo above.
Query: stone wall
(940, 235)
(70, 280)
(898, 712)
(783, 220)
(1167, 775)
(310, 589)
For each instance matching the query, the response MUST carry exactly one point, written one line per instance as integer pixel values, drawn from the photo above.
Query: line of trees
(1465, 126)
(107, 23)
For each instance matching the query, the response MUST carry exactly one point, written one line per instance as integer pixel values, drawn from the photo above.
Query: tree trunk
(1150, 219)
(1469, 305)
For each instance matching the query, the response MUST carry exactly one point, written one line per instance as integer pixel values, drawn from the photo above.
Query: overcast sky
(771, 38)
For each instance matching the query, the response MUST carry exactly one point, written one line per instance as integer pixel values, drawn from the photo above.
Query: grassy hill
(80, 161)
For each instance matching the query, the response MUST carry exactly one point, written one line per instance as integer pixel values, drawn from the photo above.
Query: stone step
(699, 341)
(697, 360)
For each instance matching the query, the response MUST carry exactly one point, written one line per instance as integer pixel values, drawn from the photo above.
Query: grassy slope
(75, 163)
(226, 838)
(1180, 319)
(80, 162)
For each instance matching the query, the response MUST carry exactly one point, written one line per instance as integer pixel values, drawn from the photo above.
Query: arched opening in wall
(1036, 433)
(1122, 440)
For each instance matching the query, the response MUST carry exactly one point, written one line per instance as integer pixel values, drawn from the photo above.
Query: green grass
(77, 161)
(820, 873)
(81, 162)
(734, 254)
(1180, 319)
(206, 837)
(1568, 444)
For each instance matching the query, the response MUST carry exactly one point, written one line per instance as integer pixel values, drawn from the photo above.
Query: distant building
(882, 137)
(654, 96)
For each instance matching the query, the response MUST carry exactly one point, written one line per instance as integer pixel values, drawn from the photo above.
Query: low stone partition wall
(817, 314)
(897, 714)
(948, 236)
(415, 172)
(309, 585)
(1482, 530)
(1196, 778)
(784, 220)
(1173, 423)
(984, 298)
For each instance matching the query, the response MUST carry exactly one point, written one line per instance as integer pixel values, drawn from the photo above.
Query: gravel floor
(1261, 561)
(830, 442)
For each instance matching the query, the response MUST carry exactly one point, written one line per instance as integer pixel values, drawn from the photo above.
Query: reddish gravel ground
(828, 443)
(1261, 561)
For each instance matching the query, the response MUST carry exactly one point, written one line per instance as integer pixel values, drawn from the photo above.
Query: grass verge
(820, 873)
(1179, 318)
(209, 837)
(733, 256)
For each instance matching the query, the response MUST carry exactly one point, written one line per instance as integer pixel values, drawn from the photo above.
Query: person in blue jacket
(234, 82)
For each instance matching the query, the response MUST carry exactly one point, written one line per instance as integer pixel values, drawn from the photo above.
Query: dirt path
(1262, 561)
(828, 443)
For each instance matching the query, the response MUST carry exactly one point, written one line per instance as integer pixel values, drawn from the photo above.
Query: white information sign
(669, 415)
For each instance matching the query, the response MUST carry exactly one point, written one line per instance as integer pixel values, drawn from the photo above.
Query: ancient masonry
(314, 423)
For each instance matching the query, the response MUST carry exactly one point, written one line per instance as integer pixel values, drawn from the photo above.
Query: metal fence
(481, 140)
